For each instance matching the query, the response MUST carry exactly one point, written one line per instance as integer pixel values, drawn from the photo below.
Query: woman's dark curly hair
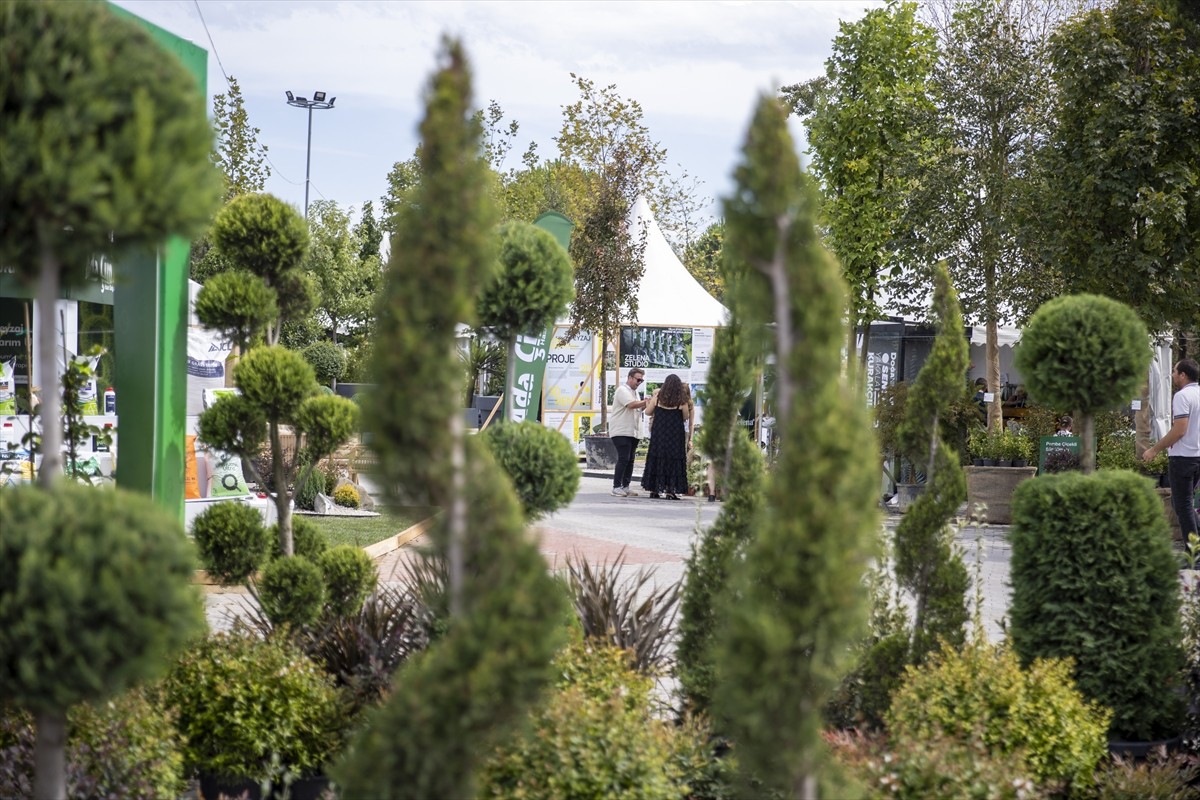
(672, 393)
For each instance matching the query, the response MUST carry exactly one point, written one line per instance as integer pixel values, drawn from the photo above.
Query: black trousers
(626, 447)
(1183, 473)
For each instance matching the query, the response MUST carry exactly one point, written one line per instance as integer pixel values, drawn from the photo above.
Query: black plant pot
(1140, 751)
(988, 462)
(215, 786)
(977, 462)
(310, 788)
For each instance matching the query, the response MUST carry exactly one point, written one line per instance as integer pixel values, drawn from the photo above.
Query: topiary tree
(451, 703)
(540, 463)
(327, 359)
(1094, 579)
(96, 597)
(349, 575)
(232, 540)
(1087, 353)
(797, 599)
(927, 564)
(530, 289)
(277, 389)
(291, 591)
(81, 89)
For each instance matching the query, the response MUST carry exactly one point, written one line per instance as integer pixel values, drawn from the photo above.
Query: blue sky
(696, 68)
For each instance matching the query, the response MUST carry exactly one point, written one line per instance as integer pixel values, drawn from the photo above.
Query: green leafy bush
(349, 575)
(232, 541)
(306, 493)
(291, 591)
(540, 462)
(346, 496)
(982, 695)
(327, 359)
(308, 540)
(243, 702)
(124, 747)
(591, 737)
(1094, 579)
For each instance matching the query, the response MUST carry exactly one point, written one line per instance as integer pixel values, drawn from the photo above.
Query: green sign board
(1051, 446)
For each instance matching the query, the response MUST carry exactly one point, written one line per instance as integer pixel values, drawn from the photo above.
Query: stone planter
(601, 452)
(906, 495)
(993, 487)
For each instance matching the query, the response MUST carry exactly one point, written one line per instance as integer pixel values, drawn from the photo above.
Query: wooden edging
(375, 551)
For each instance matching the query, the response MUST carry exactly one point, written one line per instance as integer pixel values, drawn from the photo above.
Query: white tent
(668, 294)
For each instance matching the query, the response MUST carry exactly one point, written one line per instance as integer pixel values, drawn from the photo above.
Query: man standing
(625, 428)
(1182, 444)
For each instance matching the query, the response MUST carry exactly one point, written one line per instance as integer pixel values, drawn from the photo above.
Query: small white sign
(1136, 405)
(989, 397)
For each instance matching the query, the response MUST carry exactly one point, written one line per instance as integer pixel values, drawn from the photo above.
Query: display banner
(567, 368)
(662, 351)
(528, 357)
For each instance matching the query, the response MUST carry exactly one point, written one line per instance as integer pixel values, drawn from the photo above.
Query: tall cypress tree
(926, 562)
(451, 703)
(797, 599)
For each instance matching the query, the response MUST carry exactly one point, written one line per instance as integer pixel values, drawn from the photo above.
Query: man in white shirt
(625, 428)
(1182, 444)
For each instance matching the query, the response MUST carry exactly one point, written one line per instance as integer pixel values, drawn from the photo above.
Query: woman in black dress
(666, 462)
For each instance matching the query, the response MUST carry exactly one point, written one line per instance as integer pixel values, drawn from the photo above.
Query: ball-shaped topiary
(308, 540)
(96, 593)
(533, 284)
(238, 304)
(327, 359)
(1083, 352)
(292, 591)
(349, 575)
(540, 462)
(243, 702)
(262, 234)
(275, 380)
(982, 695)
(233, 541)
(1094, 579)
(346, 496)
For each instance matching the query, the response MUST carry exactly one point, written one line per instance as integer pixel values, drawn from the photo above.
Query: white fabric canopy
(668, 294)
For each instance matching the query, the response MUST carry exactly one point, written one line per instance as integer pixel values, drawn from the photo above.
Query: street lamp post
(317, 102)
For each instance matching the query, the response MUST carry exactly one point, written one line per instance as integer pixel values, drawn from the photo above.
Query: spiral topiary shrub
(349, 575)
(1094, 579)
(346, 496)
(291, 591)
(540, 462)
(232, 541)
(982, 695)
(243, 702)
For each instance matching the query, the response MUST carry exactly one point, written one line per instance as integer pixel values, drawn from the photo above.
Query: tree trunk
(604, 382)
(995, 409)
(510, 374)
(1087, 443)
(283, 497)
(49, 756)
(48, 287)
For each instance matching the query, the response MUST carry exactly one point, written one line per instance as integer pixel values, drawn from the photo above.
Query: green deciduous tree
(451, 703)
(105, 146)
(239, 155)
(95, 599)
(927, 564)
(1121, 170)
(798, 599)
(369, 235)
(345, 282)
(703, 259)
(864, 127)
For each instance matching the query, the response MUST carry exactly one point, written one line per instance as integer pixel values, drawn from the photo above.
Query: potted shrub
(255, 714)
(977, 445)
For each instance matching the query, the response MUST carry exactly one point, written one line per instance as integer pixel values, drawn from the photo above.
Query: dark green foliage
(126, 748)
(532, 286)
(326, 422)
(1083, 352)
(797, 600)
(238, 304)
(310, 541)
(235, 425)
(96, 594)
(243, 701)
(1094, 579)
(291, 591)
(540, 462)
(105, 139)
(349, 575)
(635, 615)
(275, 380)
(593, 736)
(306, 493)
(708, 567)
(442, 251)
(463, 694)
(263, 235)
(232, 540)
(927, 565)
(327, 359)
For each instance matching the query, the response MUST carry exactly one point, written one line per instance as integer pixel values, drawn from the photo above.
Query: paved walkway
(658, 535)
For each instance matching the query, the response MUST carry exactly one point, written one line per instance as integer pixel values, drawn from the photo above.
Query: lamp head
(290, 96)
(319, 97)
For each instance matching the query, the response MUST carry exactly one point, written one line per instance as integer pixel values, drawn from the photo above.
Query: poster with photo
(661, 351)
(567, 369)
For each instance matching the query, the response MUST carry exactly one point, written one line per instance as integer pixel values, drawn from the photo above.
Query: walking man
(625, 428)
(1182, 444)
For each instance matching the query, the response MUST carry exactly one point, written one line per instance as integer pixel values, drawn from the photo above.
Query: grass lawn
(363, 531)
